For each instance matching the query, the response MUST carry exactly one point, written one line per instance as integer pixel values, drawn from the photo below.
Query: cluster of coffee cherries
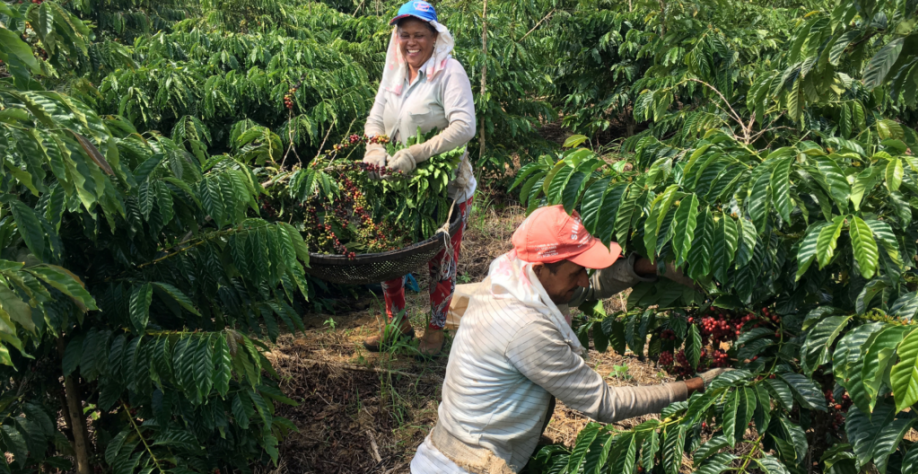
(268, 209)
(350, 211)
(666, 358)
(839, 407)
(382, 171)
(684, 368)
(355, 140)
(356, 208)
(719, 358)
(717, 328)
(336, 244)
(721, 326)
(288, 98)
(362, 167)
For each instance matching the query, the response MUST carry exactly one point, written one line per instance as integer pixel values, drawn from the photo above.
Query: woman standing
(424, 87)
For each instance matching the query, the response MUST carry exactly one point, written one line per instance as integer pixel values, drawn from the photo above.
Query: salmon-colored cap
(550, 235)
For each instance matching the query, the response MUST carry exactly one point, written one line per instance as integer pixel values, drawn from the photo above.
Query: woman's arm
(459, 108)
(376, 154)
(375, 125)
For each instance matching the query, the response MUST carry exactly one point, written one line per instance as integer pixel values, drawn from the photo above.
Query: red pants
(442, 279)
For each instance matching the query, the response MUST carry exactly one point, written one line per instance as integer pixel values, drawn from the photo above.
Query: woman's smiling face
(416, 41)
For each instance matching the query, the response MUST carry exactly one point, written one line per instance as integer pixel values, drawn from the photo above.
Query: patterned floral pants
(442, 282)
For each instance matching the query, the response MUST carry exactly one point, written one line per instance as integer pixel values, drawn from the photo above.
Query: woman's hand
(403, 161)
(376, 156)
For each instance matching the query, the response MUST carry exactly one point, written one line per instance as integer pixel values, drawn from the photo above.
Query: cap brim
(598, 256)
(407, 15)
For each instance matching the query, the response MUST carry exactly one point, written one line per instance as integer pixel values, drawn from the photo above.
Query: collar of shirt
(421, 71)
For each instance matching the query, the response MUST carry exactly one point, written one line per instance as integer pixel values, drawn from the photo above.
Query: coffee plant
(160, 64)
(783, 188)
(347, 207)
(128, 334)
(151, 150)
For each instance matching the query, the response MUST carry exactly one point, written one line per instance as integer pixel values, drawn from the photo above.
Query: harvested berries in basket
(346, 207)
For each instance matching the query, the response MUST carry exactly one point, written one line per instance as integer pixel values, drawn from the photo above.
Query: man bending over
(515, 352)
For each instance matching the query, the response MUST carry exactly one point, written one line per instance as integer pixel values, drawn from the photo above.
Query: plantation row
(158, 198)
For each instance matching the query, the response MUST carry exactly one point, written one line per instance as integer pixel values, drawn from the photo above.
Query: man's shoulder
(509, 312)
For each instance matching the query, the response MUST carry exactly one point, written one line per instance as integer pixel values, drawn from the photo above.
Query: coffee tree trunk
(74, 408)
(484, 69)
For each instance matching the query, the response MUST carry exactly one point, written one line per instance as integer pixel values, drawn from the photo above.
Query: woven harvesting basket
(378, 267)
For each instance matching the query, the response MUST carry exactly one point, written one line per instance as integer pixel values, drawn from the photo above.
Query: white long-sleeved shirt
(506, 362)
(444, 103)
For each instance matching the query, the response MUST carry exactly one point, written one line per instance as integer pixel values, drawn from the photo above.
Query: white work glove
(463, 174)
(407, 160)
(712, 374)
(375, 156)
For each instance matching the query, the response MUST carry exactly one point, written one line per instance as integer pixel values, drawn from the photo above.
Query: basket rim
(437, 240)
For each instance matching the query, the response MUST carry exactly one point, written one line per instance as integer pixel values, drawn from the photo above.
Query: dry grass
(366, 413)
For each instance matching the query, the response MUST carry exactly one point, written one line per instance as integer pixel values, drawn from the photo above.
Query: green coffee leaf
(67, 283)
(780, 187)
(222, 365)
(686, 221)
(771, 465)
(582, 444)
(780, 392)
(815, 350)
(904, 375)
(693, 346)
(864, 246)
(807, 252)
(879, 356)
(827, 241)
(805, 391)
(673, 445)
(177, 296)
(141, 298)
(728, 422)
(29, 228)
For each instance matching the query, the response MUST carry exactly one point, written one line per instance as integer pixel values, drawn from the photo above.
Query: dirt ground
(367, 413)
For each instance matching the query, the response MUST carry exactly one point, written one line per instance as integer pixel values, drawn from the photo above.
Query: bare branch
(330, 127)
(537, 25)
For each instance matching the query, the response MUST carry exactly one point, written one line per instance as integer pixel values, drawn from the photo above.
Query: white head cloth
(396, 69)
(514, 278)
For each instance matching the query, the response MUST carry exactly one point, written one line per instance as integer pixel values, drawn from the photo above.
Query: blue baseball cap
(418, 9)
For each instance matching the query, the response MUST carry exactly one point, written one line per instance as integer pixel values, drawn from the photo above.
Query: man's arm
(623, 274)
(540, 354)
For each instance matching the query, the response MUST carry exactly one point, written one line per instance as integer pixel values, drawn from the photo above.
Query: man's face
(563, 282)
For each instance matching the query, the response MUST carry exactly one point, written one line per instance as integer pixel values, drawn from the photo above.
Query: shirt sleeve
(375, 125)
(459, 108)
(608, 282)
(542, 356)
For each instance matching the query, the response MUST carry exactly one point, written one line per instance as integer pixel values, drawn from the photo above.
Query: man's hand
(645, 267)
(700, 383)
(677, 276)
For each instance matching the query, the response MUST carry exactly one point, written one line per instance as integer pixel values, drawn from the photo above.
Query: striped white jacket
(506, 361)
